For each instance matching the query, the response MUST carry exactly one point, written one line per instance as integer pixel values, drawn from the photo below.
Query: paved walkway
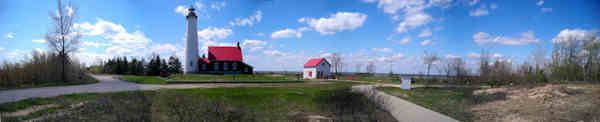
(400, 109)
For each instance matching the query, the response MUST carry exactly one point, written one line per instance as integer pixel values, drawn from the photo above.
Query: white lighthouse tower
(191, 43)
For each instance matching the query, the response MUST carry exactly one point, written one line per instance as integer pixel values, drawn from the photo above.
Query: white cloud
(118, 40)
(473, 55)
(10, 35)
(337, 22)
(286, 33)
(450, 56)
(213, 33)
(95, 44)
(404, 40)
(391, 58)
(426, 42)
(1, 48)
(383, 50)
(481, 11)
(482, 38)
(15, 53)
(39, 41)
(413, 11)
(473, 2)
(274, 53)
(181, 10)
(413, 20)
(250, 21)
(425, 33)
(326, 55)
(254, 45)
(392, 6)
(218, 5)
(40, 50)
(163, 48)
(573, 37)
(497, 55)
(544, 10)
(114, 32)
(69, 10)
(540, 3)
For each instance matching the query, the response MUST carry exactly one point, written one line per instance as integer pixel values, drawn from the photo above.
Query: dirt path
(402, 110)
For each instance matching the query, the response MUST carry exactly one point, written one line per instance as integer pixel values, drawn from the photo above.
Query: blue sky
(283, 34)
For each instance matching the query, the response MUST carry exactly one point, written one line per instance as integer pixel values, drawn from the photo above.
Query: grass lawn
(143, 79)
(334, 101)
(232, 77)
(375, 78)
(453, 101)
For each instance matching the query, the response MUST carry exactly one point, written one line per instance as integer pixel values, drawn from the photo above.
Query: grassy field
(332, 101)
(453, 102)
(233, 77)
(199, 78)
(143, 79)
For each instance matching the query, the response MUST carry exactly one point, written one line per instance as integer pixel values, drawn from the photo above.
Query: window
(225, 66)
(310, 74)
(203, 66)
(216, 66)
(234, 66)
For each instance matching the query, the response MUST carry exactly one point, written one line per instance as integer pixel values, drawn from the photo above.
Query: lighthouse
(191, 43)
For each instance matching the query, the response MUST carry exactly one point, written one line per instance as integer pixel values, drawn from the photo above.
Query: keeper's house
(223, 60)
(316, 68)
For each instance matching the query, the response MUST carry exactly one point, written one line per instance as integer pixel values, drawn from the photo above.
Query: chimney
(238, 45)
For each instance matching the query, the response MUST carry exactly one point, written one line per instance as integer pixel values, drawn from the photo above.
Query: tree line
(573, 58)
(41, 68)
(134, 66)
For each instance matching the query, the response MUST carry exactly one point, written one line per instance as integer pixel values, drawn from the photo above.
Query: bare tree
(336, 62)
(61, 38)
(484, 64)
(456, 66)
(371, 67)
(429, 59)
(358, 66)
(538, 55)
(445, 66)
(574, 57)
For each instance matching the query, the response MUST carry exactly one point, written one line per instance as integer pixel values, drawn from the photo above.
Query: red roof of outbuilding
(313, 62)
(225, 53)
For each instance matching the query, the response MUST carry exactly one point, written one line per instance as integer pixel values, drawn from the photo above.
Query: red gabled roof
(225, 53)
(313, 62)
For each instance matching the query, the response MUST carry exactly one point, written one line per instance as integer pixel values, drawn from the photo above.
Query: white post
(406, 82)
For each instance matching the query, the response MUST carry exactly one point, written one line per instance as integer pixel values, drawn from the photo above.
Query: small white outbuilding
(316, 68)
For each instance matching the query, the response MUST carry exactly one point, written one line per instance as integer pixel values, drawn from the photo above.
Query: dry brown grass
(564, 102)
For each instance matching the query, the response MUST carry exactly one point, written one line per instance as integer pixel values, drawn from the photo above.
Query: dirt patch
(29, 110)
(564, 102)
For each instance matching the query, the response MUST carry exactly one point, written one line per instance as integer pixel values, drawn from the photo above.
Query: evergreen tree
(174, 65)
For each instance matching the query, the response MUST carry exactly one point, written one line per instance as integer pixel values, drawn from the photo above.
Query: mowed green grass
(375, 78)
(452, 101)
(143, 79)
(208, 78)
(212, 104)
(232, 77)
